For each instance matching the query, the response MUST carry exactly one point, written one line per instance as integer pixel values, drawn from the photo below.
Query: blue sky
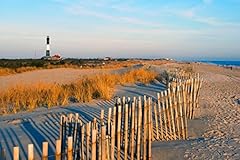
(183, 29)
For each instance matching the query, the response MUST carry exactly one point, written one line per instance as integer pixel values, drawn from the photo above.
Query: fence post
(87, 139)
(123, 101)
(113, 129)
(45, 150)
(126, 132)
(181, 112)
(194, 96)
(187, 98)
(82, 141)
(108, 150)
(109, 121)
(172, 114)
(103, 147)
(164, 116)
(139, 129)
(30, 152)
(75, 130)
(151, 116)
(15, 153)
(102, 117)
(70, 125)
(175, 99)
(168, 114)
(191, 98)
(94, 139)
(99, 143)
(156, 120)
(188, 89)
(119, 133)
(184, 98)
(145, 129)
(61, 127)
(149, 128)
(58, 149)
(133, 121)
(185, 111)
(70, 148)
(160, 115)
(64, 133)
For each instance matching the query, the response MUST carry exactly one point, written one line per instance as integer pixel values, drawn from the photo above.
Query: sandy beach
(214, 133)
(220, 109)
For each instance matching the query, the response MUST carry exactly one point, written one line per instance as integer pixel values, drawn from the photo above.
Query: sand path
(58, 75)
(215, 131)
(220, 108)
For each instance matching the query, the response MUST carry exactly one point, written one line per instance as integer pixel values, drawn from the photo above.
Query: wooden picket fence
(127, 130)
(190, 89)
(30, 152)
(123, 133)
(167, 117)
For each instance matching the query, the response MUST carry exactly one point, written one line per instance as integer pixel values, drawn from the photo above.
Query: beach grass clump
(6, 71)
(24, 97)
(140, 75)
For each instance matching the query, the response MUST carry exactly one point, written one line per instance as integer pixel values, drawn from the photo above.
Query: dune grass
(28, 97)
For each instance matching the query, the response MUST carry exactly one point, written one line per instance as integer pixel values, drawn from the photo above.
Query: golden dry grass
(28, 97)
(6, 71)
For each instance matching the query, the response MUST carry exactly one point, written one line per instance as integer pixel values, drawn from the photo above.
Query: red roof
(56, 56)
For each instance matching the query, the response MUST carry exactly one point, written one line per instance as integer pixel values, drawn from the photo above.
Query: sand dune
(58, 75)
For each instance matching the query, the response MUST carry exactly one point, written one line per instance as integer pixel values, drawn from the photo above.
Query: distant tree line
(40, 63)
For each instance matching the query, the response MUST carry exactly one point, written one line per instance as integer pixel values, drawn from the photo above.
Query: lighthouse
(48, 47)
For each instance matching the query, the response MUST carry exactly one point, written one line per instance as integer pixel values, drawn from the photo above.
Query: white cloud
(80, 10)
(97, 9)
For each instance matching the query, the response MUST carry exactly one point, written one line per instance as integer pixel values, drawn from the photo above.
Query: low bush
(24, 65)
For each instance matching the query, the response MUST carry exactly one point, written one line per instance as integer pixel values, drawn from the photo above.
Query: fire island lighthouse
(55, 57)
(48, 47)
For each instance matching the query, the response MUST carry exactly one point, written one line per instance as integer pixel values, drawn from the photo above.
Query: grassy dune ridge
(8, 67)
(28, 97)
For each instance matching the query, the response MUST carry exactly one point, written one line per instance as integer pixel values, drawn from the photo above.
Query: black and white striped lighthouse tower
(48, 47)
